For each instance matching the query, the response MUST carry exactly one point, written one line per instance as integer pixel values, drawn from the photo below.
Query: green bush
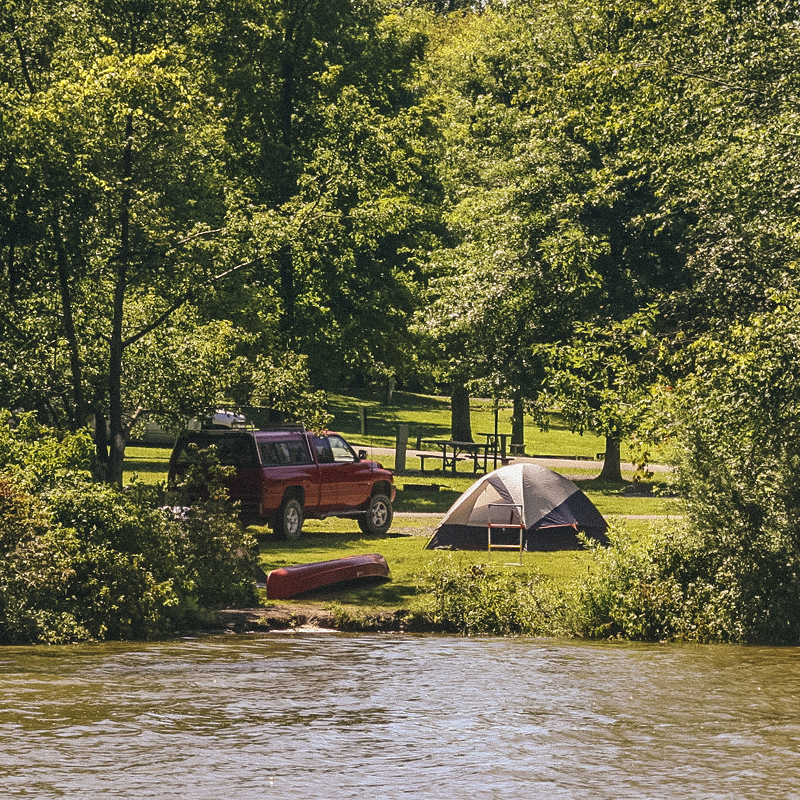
(35, 565)
(220, 554)
(631, 589)
(731, 572)
(81, 560)
(677, 584)
(738, 418)
(490, 599)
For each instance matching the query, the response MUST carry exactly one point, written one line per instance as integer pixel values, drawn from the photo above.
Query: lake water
(337, 716)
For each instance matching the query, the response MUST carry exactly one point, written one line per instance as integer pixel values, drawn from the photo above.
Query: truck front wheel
(289, 524)
(378, 518)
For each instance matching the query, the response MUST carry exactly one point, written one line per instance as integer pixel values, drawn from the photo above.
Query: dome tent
(554, 509)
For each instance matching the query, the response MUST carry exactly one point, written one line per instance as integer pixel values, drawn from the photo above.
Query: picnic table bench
(436, 457)
(453, 451)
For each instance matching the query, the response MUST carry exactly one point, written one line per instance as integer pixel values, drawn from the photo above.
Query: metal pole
(496, 441)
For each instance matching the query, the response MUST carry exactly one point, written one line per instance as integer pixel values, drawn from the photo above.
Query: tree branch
(732, 87)
(22, 58)
(182, 300)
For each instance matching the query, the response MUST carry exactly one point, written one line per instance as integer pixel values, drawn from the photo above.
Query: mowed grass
(428, 417)
(625, 500)
(404, 550)
(151, 465)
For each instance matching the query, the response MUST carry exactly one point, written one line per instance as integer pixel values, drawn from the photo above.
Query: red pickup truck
(283, 476)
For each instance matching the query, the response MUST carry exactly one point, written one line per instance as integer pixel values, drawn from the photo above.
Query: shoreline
(309, 616)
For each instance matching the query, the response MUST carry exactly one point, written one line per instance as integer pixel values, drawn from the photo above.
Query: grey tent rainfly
(553, 509)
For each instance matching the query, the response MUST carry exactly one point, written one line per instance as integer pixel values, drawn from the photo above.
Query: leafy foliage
(602, 380)
(488, 599)
(81, 560)
(731, 572)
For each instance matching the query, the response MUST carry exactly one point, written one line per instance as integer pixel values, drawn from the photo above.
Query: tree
(111, 129)
(708, 118)
(601, 381)
(738, 427)
(118, 218)
(326, 136)
(522, 260)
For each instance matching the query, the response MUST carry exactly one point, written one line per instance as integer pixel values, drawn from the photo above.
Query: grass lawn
(609, 499)
(150, 464)
(404, 550)
(428, 417)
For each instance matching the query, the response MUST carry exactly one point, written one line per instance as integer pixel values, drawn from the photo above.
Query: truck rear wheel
(289, 524)
(378, 518)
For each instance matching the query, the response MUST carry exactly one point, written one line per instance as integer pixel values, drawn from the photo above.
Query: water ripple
(399, 717)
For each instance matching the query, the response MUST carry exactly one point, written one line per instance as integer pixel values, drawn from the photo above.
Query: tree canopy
(445, 194)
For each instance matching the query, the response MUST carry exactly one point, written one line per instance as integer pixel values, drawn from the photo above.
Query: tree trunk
(77, 411)
(287, 293)
(460, 425)
(612, 466)
(100, 447)
(287, 180)
(117, 432)
(518, 427)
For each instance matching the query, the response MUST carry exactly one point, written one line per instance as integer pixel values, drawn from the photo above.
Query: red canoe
(289, 581)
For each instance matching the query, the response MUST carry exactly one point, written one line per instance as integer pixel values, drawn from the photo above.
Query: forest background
(588, 207)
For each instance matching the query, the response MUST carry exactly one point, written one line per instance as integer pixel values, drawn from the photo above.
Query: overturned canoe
(289, 581)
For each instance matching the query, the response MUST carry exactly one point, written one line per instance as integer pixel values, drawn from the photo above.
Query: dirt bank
(310, 617)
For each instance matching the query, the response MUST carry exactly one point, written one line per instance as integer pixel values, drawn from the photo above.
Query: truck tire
(378, 518)
(289, 524)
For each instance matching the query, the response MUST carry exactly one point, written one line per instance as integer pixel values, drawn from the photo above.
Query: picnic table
(453, 451)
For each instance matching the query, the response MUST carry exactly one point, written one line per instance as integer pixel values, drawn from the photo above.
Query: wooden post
(400, 449)
(362, 420)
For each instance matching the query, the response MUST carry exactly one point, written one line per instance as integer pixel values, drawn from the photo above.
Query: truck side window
(236, 451)
(298, 452)
(291, 452)
(323, 448)
(341, 450)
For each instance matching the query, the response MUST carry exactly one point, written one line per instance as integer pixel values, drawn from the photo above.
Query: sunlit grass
(404, 550)
(429, 418)
(149, 464)
(608, 499)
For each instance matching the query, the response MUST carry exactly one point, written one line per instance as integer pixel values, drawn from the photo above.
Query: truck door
(344, 484)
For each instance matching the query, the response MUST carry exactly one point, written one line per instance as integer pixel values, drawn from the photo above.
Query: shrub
(731, 571)
(221, 554)
(489, 599)
(631, 589)
(37, 456)
(738, 418)
(674, 583)
(82, 560)
(35, 566)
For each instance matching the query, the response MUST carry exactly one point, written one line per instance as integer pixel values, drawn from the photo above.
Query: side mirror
(362, 455)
